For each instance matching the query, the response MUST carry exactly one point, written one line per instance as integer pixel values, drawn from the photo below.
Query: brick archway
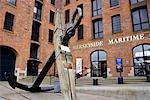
(8, 60)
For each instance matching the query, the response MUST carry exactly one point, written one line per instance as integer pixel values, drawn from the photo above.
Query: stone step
(110, 80)
(121, 91)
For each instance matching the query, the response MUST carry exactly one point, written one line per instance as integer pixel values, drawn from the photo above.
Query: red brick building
(26, 32)
(111, 32)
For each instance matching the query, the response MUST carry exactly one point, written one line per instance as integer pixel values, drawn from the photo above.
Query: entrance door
(7, 58)
(99, 64)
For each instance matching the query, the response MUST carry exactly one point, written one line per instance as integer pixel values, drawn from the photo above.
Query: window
(141, 55)
(67, 16)
(97, 29)
(140, 19)
(96, 7)
(98, 64)
(53, 2)
(80, 32)
(81, 6)
(37, 10)
(114, 3)
(67, 2)
(135, 1)
(13, 2)
(116, 24)
(34, 51)
(51, 16)
(8, 24)
(50, 39)
(35, 31)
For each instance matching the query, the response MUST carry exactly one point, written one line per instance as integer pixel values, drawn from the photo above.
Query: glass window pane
(137, 27)
(95, 13)
(102, 56)
(100, 26)
(99, 4)
(35, 10)
(95, 65)
(143, 14)
(116, 23)
(99, 12)
(94, 5)
(138, 51)
(133, 1)
(95, 56)
(136, 17)
(145, 26)
(96, 27)
(96, 35)
(146, 50)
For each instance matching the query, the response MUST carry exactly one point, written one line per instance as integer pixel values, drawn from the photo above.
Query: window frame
(37, 8)
(138, 9)
(50, 36)
(100, 33)
(9, 21)
(67, 2)
(136, 1)
(67, 16)
(97, 9)
(52, 17)
(113, 31)
(35, 31)
(12, 2)
(117, 4)
(98, 61)
(143, 57)
(53, 2)
(80, 35)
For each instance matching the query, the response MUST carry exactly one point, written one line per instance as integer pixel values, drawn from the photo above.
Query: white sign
(65, 48)
(79, 65)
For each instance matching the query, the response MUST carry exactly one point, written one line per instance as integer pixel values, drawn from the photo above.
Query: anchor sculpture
(70, 32)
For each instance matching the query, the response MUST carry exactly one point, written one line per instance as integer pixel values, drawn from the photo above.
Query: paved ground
(84, 93)
(7, 93)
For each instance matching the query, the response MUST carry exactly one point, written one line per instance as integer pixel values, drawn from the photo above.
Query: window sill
(97, 17)
(40, 1)
(140, 31)
(80, 40)
(35, 42)
(143, 3)
(117, 32)
(5, 30)
(39, 21)
(12, 5)
(35, 59)
(66, 4)
(115, 7)
(95, 39)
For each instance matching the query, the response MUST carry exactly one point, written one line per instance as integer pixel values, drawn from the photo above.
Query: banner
(79, 66)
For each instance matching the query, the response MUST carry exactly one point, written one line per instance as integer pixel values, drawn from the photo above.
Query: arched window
(141, 56)
(98, 64)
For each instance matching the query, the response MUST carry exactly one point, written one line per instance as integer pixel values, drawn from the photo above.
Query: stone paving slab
(7, 93)
(100, 92)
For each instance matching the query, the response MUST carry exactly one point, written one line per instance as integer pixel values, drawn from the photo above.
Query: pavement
(101, 92)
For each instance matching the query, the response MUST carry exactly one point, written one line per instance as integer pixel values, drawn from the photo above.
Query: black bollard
(95, 81)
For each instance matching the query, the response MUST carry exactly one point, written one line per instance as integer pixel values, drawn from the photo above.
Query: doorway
(7, 61)
(98, 64)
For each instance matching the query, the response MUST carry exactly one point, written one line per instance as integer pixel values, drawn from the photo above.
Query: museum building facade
(111, 32)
